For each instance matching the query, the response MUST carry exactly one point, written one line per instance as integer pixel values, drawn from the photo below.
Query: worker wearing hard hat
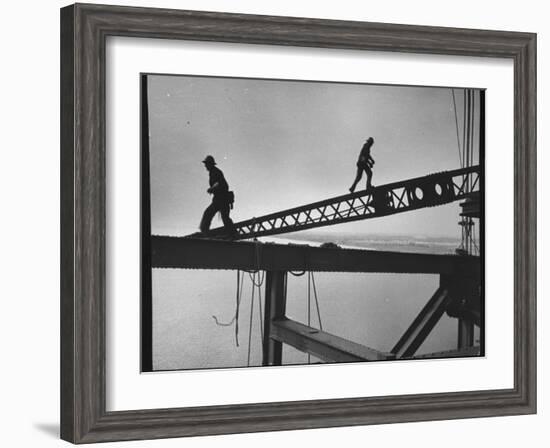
(365, 163)
(222, 198)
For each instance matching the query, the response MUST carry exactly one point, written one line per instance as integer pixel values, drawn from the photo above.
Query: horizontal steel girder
(458, 353)
(191, 253)
(323, 345)
(412, 194)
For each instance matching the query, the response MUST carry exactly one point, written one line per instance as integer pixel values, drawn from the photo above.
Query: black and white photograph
(294, 222)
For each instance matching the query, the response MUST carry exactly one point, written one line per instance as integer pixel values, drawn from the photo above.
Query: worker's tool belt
(225, 197)
(230, 198)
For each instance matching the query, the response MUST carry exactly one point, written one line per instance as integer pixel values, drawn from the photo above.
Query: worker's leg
(357, 178)
(227, 222)
(207, 217)
(369, 177)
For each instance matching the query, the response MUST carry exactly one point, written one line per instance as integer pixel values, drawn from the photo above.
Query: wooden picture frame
(84, 29)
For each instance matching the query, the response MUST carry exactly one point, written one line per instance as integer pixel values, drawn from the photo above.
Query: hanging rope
(261, 317)
(235, 318)
(258, 284)
(311, 286)
(257, 260)
(261, 277)
(250, 323)
(255, 284)
(316, 301)
(257, 279)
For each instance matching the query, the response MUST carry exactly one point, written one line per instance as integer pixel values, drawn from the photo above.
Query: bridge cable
(456, 124)
(464, 129)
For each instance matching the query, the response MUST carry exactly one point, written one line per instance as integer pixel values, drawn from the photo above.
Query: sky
(285, 143)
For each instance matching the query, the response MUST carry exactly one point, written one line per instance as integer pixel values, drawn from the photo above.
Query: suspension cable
(464, 128)
(456, 124)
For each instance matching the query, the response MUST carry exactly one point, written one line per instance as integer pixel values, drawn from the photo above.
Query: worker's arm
(213, 188)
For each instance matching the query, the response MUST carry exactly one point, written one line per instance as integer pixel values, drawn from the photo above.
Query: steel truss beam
(412, 194)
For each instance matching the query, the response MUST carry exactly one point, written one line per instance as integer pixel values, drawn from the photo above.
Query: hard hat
(209, 160)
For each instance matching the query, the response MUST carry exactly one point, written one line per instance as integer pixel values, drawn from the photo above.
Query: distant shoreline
(397, 243)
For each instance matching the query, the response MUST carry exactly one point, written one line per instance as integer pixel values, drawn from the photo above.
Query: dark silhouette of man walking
(364, 163)
(222, 198)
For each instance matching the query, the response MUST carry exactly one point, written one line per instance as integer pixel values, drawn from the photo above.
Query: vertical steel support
(275, 307)
(465, 333)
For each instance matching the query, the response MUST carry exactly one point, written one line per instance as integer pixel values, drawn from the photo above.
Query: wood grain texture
(83, 31)
(67, 227)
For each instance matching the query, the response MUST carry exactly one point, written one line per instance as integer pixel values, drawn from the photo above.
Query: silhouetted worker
(222, 198)
(364, 163)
